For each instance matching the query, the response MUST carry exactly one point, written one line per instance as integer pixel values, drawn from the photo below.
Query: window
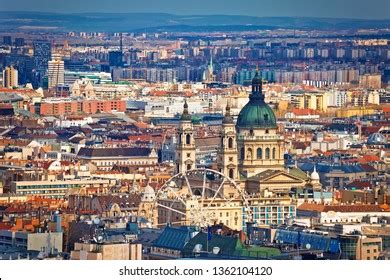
(231, 173)
(188, 166)
(188, 139)
(230, 143)
(251, 132)
(266, 117)
(267, 153)
(266, 131)
(273, 153)
(249, 154)
(259, 153)
(242, 153)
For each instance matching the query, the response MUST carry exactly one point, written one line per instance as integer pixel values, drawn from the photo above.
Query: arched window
(266, 131)
(249, 154)
(259, 153)
(274, 153)
(188, 139)
(180, 138)
(231, 173)
(267, 153)
(230, 143)
(188, 167)
(242, 153)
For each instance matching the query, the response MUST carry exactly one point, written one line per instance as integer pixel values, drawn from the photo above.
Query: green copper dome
(256, 113)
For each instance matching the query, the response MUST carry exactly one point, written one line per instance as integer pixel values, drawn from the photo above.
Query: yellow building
(10, 77)
(314, 101)
(354, 111)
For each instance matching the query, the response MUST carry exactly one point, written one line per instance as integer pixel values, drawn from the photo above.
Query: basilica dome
(256, 113)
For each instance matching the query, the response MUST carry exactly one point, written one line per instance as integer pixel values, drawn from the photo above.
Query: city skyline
(349, 9)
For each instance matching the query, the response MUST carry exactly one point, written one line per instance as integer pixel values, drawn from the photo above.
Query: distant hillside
(128, 22)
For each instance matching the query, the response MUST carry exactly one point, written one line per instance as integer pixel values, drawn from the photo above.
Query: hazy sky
(371, 9)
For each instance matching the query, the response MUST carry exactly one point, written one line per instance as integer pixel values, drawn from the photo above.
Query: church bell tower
(185, 152)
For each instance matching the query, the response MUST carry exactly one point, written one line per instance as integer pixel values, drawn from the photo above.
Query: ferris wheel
(200, 197)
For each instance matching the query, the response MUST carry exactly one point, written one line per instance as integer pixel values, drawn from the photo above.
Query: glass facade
(348, 246)
(270, 214)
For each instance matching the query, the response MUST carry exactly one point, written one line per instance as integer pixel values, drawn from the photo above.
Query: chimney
(365, 197)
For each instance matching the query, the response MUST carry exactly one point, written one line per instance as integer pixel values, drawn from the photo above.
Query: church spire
(227, 119)
(211, 66)
(186, 115)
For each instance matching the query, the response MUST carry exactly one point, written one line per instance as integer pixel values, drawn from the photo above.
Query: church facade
(251, 149)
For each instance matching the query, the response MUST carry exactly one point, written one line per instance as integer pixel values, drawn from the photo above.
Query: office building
(42, 55)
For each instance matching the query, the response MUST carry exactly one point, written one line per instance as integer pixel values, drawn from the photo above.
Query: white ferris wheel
(194, 197)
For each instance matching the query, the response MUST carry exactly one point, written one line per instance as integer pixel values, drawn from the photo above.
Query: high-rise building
(372, 81)
(42, 55)
(56, 73)
(10, 77)
(115, 58)
(19, 42)
(7, 40)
